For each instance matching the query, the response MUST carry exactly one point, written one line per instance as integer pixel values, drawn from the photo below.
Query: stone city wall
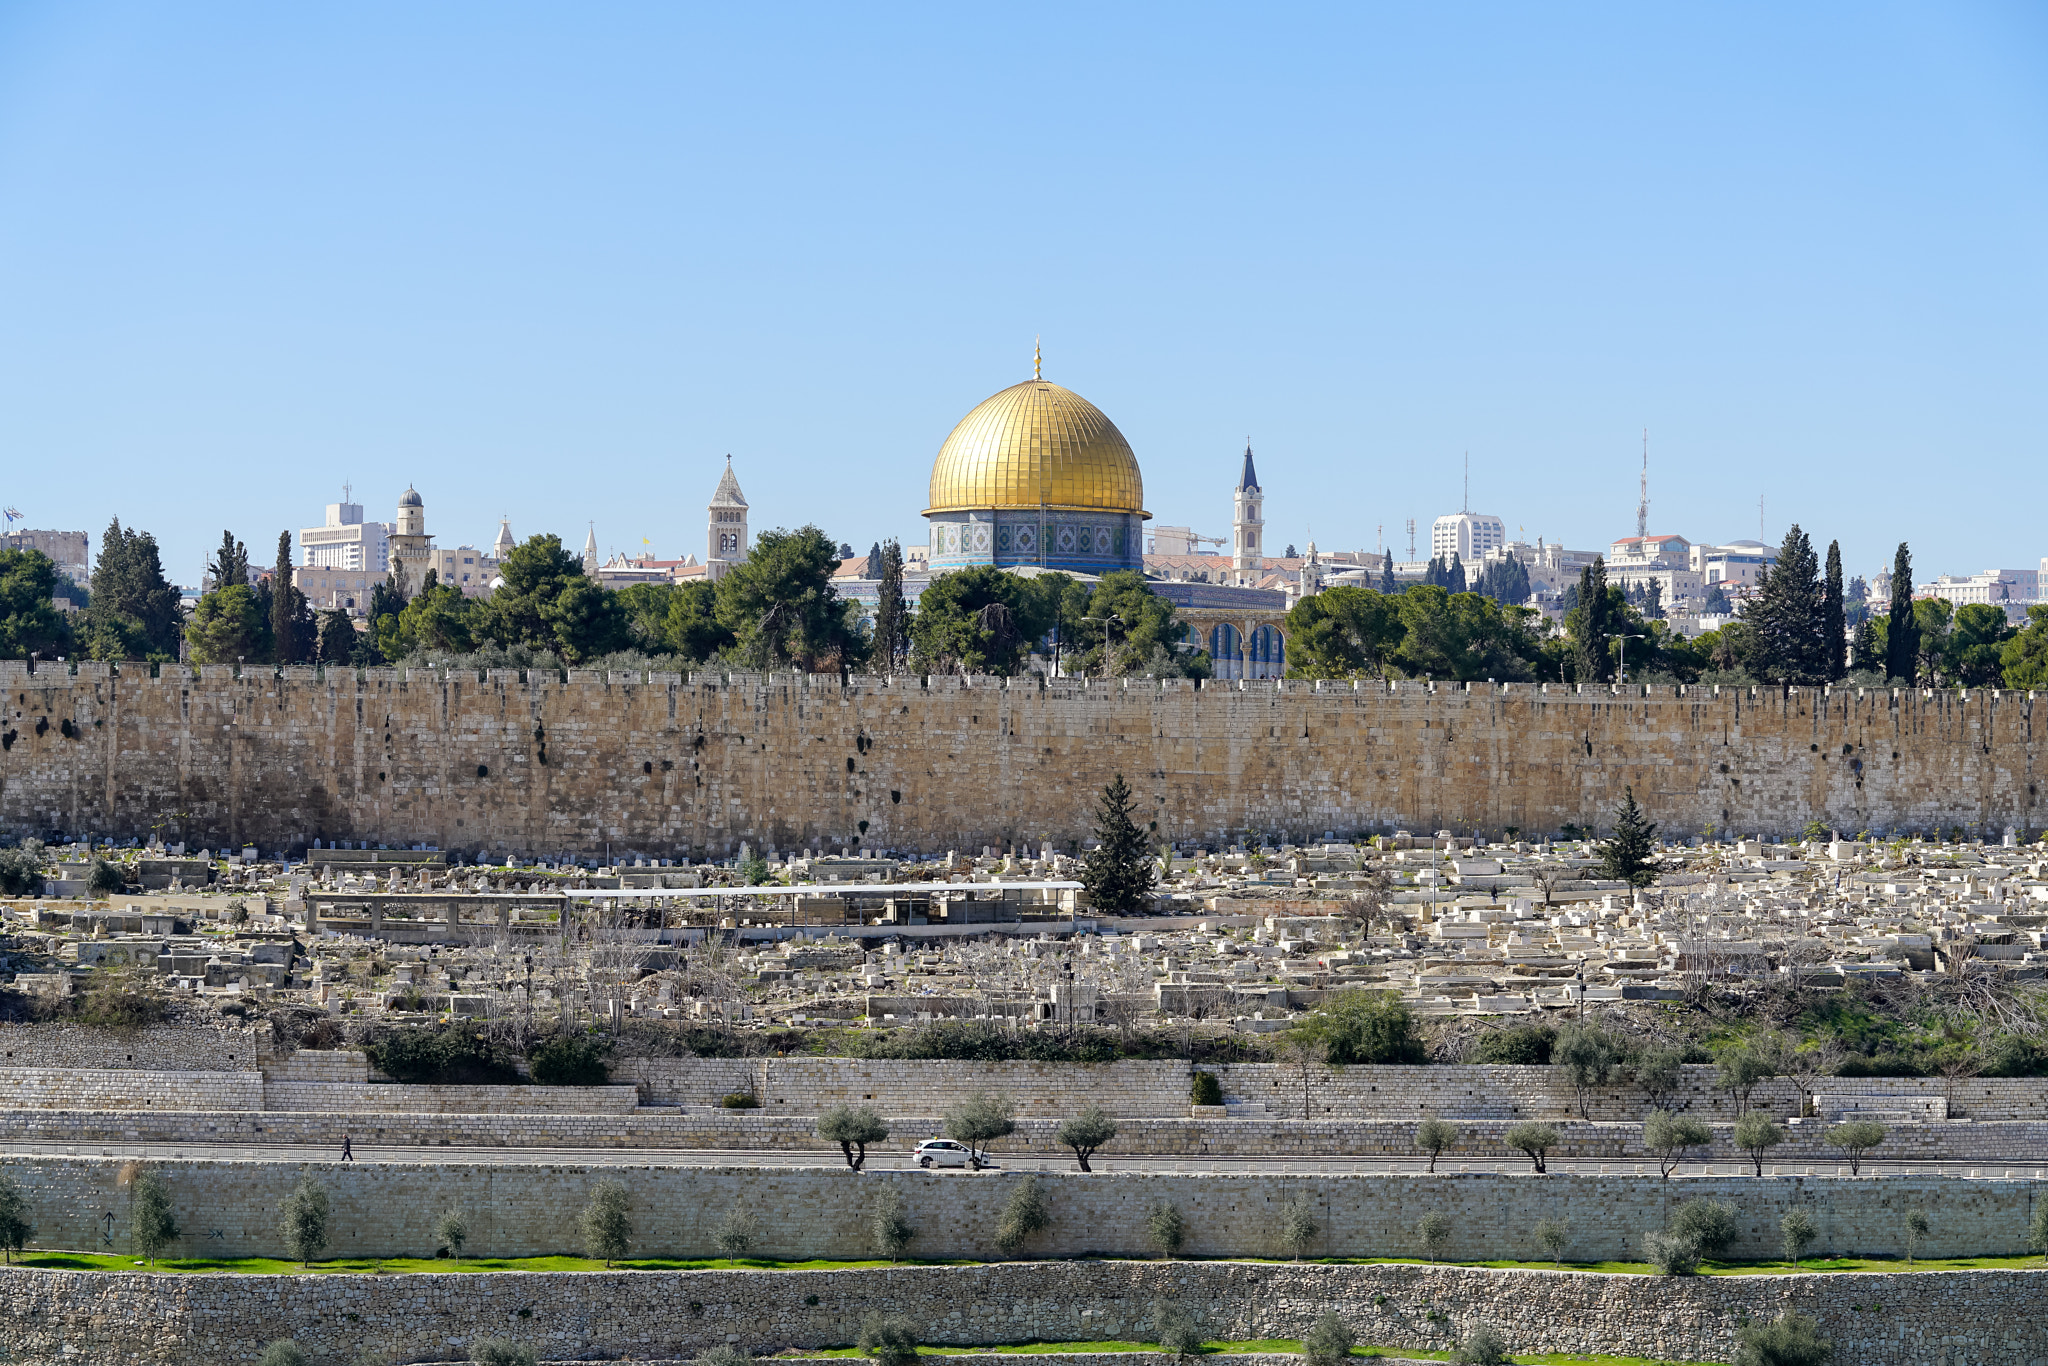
(230, 1208)
(1966, 1318)
(1994, 1148)
(158, 1048)
(331, 1097)
(661, 765)
(35, 1088)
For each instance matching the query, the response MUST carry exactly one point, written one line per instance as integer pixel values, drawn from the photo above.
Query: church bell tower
(1247, 559)
(725, 542)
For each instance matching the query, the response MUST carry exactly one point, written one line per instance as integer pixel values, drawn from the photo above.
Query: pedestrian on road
(346, 1155)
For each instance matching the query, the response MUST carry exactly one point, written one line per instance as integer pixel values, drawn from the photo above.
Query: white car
(944, 1152)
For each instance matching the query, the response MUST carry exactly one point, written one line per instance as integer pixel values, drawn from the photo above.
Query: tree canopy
(134, 613)
(29, 620)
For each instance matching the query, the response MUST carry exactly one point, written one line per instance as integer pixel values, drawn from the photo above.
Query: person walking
(346, 1154)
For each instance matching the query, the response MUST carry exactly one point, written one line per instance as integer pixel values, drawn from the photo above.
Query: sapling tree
(1328, 1343)
(1481, 1347)
(16, 1227)
(503, 1352)
(1917, 1227)
(1177, 1329)
(887, 1339)
(1672, 1254)
(1738, 1069)
(607, 1222)
(1024, 1214)
(890, 1224)
(452, 1231)
(1434, 1135)
(1433, 1231)
(737, 1231)
(1590, 1057)
(282, 1352)
(1166, 1228)
(304, 1222)
(2037, 1230)
(1798, 1231)
(1788, 1340)
(1552, 1235)
(151, 1228)
(1709, 1225)
(1298, 1226)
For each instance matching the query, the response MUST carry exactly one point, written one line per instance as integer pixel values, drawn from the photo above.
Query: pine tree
(1832, 623)
(1118, 874)
(134, 610)
(1902, 636)
(892, 625)
(284, 620)
(1627, 856)
(1788, 642)
(1594, 623)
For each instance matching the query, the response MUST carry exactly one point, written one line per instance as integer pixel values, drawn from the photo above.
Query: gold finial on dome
(1037, 360)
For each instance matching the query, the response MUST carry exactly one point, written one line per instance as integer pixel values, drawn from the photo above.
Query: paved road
(896, 1160)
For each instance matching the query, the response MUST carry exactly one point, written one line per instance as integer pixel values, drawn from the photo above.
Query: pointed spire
(590, 551)
(1249, 480)
(728, 492)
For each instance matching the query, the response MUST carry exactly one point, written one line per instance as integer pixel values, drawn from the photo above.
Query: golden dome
(1036, 443)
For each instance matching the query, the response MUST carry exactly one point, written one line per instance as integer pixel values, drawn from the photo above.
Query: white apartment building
(1736, 565)
(2000, 586)
(346, 541)
(1667, 561)
(1470, 536)
(466, 567)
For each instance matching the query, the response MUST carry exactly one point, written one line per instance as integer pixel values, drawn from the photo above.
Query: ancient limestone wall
(1967, 1318)
(230, 1208)
(665, 766)
(37, 1088)
(161, 1048)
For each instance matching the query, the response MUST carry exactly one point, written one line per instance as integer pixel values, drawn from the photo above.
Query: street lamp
(1107, 652)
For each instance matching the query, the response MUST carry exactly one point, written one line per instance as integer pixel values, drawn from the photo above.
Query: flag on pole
(12, 514)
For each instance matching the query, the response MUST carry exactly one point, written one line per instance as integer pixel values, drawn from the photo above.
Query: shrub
(21, 869)
(1708, 1224)
(1855, 1138)
(501, 1352)
(1482, 1348)
(2037, 1230)
(1672, 1254)
(607, 1222)
(1166, 1228)
(738, 1231)
(283, 1352)
(1363, 1027)
(150, 1226)
(1527, 1045)
(1023, 1215)
(304, 1222)
(1086, 1132)
(740, 1100)
(104, 878)
(452, 1231)
(853, 1127)
(1552, 1235)
(887, 1340)
(1178, 1331)
(980, 1119)
(889, 1224)
(15, 1225)
(568, 1059)
(1797, 1229)
(724, 1354)
(1434, 1135)
(1670, 1136)
(450, 1055)
(1433, 1231)
(1756, 1133)
(1329, 1341)
(1298, 1226)
(1534, 1139)
(1206, 1090)
(1788, 1340)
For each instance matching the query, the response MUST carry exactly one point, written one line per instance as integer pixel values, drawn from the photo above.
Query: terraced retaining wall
(664, 765)
(1982, 1318)
(230, 1208)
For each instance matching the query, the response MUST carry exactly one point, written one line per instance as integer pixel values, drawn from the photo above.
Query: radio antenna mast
(1643, 503)
(1411, 539)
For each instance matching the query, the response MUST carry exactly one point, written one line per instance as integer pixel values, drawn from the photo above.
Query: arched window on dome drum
(1226, 648)
(1265, 654)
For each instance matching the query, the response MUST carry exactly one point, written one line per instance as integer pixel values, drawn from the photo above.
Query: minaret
(725, 539)
(411, 547)
(590, 552)
(1247, 560)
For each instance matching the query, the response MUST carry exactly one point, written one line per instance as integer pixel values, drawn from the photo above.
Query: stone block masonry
(165, 1048)
(671, 766)
(230, 1209)
(1969, 1318)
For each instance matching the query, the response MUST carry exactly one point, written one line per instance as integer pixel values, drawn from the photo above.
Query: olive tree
(736, 1233)
(1756, 1133)
(1298, 1226)
(1738, 1069)
(1709, 1225)
(151, 1228)
(1788, 1340)
(1166, 1228)
(282, 1352)
(1178, 1331)
(304, 1222)
(1433, 1231)
(1797, 1230)
(1086, 1132)
(1590, 1057)
(887, 1339)
(1552, 1235)
(501, 1352)
(452, 1231)
(1328, 1343)
(1482, 1347)
(1669, 1137)
(853, 1127)
(607, 1222)
(979, 1120)
(1024, 1214)
(1917, 1227)
(1434, 1135)
(1856, 1137)
(890, 1225)
(1535, 1139)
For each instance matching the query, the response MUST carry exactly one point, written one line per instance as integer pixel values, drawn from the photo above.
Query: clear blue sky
(557, 261)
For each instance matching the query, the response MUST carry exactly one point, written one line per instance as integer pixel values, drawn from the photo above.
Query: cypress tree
(1594, 611)
(1902, 635)
(1118, 875)
(1834, 626)
(134, 610)
(1627, 856)
(1387, 584)
(1867, 655)
(283, 620)
(230, 565)
(892, 627)
(1454, 577)
(1788, 634)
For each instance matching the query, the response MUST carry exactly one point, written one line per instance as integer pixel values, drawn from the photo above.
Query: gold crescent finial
(1037, 360)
